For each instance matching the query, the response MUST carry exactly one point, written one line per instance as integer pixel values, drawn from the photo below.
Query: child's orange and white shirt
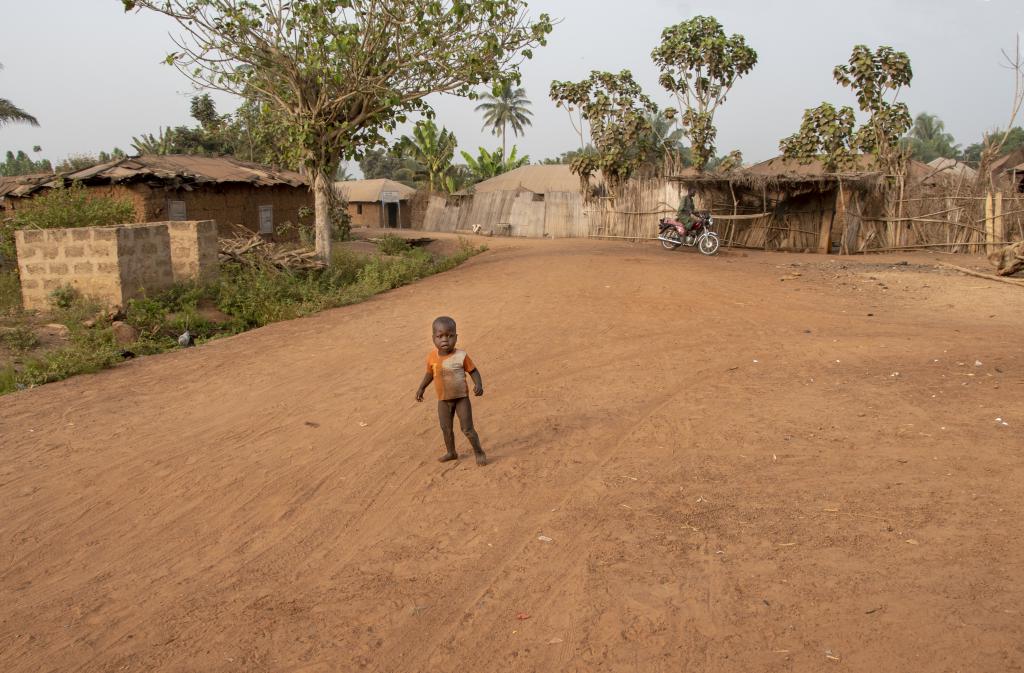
(450, 373)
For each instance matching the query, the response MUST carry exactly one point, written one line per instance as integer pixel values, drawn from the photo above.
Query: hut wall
(227, 204)
(442, 214)
(564, 215)
(490, 210)
(366, 214)
(526, 215)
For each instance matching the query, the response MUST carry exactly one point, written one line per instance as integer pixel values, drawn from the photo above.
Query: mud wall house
(532, 201)
(377, 203)
(179, 187)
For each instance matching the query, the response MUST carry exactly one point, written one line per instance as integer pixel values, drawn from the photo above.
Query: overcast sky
(93, 74)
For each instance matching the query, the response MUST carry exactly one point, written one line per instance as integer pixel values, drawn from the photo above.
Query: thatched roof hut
(788, 204)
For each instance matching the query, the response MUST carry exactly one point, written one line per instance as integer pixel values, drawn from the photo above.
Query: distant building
(1016, 174)
(184, 187)
(535, 201)
(377, 203)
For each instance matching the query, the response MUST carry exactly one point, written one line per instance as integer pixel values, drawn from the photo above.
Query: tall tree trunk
(504, 149)
(322, 202)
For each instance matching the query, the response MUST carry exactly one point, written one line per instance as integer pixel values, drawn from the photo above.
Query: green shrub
(146, 315)
(65, 297)
(64, 207)
(8, 380)
(20, 339)
(90, 351)
(393, 245)
(10, 292)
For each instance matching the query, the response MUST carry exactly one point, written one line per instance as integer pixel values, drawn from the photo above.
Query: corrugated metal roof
(368, 191)
(20, 185)
(172, 170)
(181, 168)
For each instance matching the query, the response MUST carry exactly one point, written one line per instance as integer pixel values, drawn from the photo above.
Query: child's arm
(478, 383)
(427, 378)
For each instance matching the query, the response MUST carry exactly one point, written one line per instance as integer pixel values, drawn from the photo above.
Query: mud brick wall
(373, 214)
(228, 204)
(194, 251)
(108, 264)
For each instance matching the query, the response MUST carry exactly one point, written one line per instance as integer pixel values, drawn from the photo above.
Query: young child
(447, 368)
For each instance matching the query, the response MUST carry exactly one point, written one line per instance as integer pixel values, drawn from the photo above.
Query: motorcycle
(673, 233)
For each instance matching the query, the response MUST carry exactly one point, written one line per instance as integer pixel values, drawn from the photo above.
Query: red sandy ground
(736, 473)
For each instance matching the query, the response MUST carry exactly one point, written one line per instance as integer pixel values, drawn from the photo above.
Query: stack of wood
(253, 250)
(1009, 260)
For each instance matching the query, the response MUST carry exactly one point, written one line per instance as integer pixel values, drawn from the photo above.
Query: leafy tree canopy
(340, 74)
(619, 114)
(876, 78)
(827, 134)
(23, 164)
(699, 65)
(1014, 140)
(381, 163)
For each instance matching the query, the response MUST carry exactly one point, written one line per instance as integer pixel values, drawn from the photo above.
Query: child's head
(444, 335)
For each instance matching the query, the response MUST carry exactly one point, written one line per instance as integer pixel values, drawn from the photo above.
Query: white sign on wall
(389, 197)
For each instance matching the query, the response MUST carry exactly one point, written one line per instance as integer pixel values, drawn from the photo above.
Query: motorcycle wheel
(708, 245)
(674, 243)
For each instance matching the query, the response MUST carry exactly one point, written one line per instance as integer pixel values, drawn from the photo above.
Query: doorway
(392, 209)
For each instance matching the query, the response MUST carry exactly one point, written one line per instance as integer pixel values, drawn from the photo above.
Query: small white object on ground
(544, 538)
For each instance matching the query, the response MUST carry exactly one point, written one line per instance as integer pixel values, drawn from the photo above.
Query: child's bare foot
(448, 456)
(481, 458)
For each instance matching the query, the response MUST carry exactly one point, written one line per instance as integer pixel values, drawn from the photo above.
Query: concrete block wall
(115, 264)
(83, 258)
(194, 251)
(144, 257)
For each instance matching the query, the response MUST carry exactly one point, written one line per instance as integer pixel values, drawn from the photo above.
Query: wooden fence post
(998, 230)
(825, 236)
(989, 224)
(841, 220)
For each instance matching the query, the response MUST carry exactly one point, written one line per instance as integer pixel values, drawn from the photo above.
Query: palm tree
(662, 139)
(11, 113)
(928, 139)
(433, 149)
(341, 172)
(509, 108)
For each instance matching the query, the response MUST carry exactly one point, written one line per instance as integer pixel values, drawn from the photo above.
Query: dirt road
(729, 464)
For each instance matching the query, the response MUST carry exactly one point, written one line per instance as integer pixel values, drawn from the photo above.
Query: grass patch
(390, 244)
(249, 297)
(10, 291)
(20, 339)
